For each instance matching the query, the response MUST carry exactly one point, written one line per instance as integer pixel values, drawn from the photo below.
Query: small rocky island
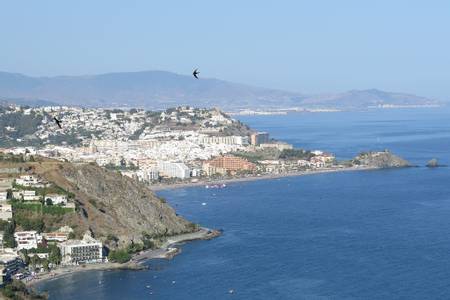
(433, 163)
(381, 159)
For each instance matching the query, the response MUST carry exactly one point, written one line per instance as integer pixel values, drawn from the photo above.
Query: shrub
(120, 256)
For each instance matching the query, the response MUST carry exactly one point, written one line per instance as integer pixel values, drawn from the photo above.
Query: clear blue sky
(307, 46)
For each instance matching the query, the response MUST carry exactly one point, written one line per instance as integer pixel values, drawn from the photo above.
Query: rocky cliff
(112, 204)
(382, 159)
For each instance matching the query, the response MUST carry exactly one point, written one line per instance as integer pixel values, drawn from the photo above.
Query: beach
(209, 181)
(167, 250)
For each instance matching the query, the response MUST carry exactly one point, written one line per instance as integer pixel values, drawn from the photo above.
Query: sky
(311, 46)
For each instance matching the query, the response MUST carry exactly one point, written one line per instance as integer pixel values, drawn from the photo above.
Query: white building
(87, 250)
(5, 212)
(56, 236)
(227, 140)
(148, 175)
(174, 169)
(28, 195)
(29, 180)
(27, 239)
(56, 199)
(3, 196)
(277, 145)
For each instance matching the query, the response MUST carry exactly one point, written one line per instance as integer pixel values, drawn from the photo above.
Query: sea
(382, 234)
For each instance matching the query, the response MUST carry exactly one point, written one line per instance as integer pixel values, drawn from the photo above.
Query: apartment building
(227, 164)
(173, 169)
(258, 138)
(27, 239)
(87, 250)
(227, 140)
(10, 263)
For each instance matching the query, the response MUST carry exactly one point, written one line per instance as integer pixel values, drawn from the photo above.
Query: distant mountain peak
(155, 89)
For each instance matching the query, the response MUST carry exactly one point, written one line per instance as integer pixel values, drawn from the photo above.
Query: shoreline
(165, 251)
(170, 186)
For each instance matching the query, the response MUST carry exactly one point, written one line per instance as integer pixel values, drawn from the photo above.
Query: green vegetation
(22, 125)
(8, 233)
(17, 290)
(27, 223)
(36, 216)
(123, 255)
(120, 256)
(54, 255)
(260, 154)
(296, 154)
(39, 208)
(43, 191)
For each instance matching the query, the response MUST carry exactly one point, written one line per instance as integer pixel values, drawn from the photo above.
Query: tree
(34, 261)
(45, 265)
(54, 255)
(8, 235)
(120, 256)
(49, 201)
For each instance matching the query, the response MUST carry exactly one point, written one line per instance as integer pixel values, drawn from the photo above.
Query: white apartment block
(227, 140)
(87, 250)
(5, 212)
(174, 169)
(27, 239)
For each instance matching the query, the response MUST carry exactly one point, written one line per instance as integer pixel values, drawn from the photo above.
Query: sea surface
(381, 234)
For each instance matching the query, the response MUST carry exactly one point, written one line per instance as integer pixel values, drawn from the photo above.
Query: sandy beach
(159, 187)
(167, 250)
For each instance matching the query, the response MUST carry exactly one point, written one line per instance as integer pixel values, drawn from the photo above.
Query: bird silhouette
(195, 73)
(58, 122)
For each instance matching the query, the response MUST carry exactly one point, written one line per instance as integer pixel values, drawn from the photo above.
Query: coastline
(170, 186)
(166, 251)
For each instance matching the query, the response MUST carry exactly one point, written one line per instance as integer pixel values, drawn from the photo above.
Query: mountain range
(162, 89)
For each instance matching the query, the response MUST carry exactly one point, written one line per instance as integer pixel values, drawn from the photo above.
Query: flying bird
(58, 122)
(195, 73)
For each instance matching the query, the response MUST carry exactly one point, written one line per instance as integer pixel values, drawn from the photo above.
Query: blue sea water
(354, 235)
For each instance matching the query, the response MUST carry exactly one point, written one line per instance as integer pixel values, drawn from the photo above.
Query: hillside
(148, 89)
(161, 89)
(357, 99)
(108, 203)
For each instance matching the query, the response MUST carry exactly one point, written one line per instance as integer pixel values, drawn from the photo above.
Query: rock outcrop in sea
(433, 163)
(381, 159)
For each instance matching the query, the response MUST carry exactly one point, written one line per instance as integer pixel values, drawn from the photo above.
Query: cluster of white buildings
(73, 252)
(25, 191)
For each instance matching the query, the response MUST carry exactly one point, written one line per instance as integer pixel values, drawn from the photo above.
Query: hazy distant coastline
(162, 89)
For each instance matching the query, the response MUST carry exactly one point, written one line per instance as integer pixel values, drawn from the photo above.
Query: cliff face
(383, 159)
(110, 203)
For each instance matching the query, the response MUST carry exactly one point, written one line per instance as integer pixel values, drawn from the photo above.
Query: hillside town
(178, 144)
(26, 250)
